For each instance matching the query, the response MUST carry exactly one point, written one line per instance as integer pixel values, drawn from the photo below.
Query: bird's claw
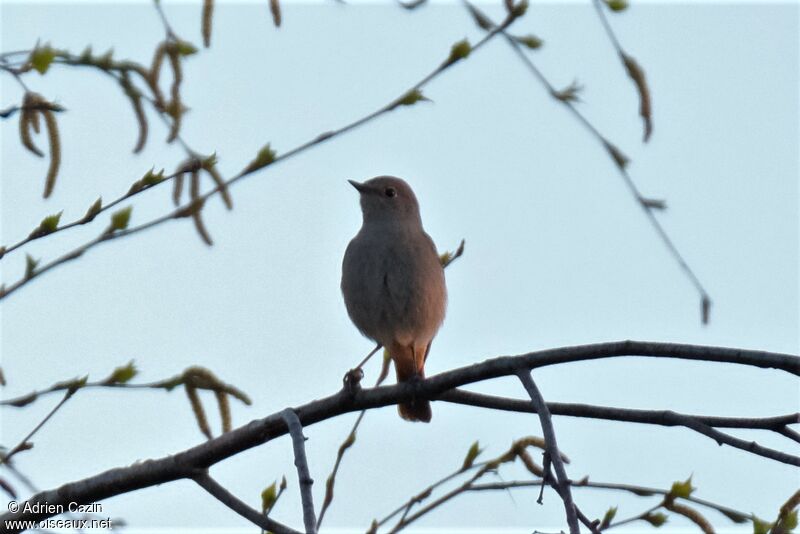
(352, 380)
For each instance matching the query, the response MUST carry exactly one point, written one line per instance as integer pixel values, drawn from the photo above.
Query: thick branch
(303, 474)
(629, 415)
(185, 464)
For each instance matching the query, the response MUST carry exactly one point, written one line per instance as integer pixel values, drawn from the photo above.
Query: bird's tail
(415, 409)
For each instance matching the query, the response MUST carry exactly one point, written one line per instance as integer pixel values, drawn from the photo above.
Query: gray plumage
(393, 281)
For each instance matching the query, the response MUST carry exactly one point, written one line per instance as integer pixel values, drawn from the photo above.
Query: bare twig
(167, 27)
(301, 462)
(648, 205)
(348, 442)
(230, 500)
(552, 448)
(25, 443)
(633, 69)
(406, 98)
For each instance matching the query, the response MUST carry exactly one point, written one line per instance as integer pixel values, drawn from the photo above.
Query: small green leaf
(656, 519)
(653, 203)
(760, 526)
(411, 98)
(152, 178)
(86, 55)
(41, 58)
(30, 265)
(616, 154)
(610, 514)
(531, 41)
(48, 225)
(682, 489)
(472, 453)
(519, 9)
(736, 517)
(106, 60)
(789, 521)
(480, 18)
(122, 374)
(77, 384)
(93, 210)
(264, 157)
(121, 218)
(210, 161)
(268, 497)
(459, 51)
(617, 5)
(569, 93)
(185, 48)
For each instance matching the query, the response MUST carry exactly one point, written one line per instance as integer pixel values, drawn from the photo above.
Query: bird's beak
(361, 188)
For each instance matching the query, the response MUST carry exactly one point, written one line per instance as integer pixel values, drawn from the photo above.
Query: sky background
(557, 251)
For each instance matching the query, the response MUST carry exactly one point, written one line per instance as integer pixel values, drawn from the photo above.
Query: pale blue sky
(557, 251)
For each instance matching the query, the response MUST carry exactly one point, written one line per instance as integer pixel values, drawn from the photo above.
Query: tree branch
(249, 170)
(552, 448)
(234, 503)
(303, 474)
(25, 444)
(185, 464)
(620, 160)
(608, 413)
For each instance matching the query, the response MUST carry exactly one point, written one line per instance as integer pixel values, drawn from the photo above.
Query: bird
(393, 282)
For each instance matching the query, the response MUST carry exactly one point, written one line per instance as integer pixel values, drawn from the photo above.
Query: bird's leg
(416, 363)
(365, 360)
(352, 379)
(415, 378)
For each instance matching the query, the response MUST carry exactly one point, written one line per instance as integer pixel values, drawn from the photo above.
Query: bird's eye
(390, 192)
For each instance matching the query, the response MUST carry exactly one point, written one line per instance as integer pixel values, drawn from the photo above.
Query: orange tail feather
(406, 369)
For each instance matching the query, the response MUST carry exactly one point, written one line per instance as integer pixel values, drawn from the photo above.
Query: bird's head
(386, 198)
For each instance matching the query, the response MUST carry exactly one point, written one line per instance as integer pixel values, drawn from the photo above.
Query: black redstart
(393, 282)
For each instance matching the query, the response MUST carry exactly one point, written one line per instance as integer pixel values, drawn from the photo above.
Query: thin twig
(230, 500)
(167, 27)
(640, 199)
(552, 448)
(634, 190)
(368, 356)
(346, 444)
(25, 442)
(406, 506)
(301, 462)
(249, 170)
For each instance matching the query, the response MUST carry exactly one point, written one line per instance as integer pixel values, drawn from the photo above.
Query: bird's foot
(352, 380)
